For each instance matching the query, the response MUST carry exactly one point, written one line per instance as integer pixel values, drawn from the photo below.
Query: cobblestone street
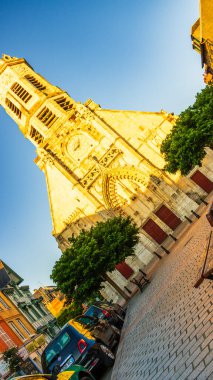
(168, 331)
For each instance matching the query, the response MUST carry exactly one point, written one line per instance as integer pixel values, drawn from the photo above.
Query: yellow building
(12, 316)
(51, 298)
(99, 163)
(202, 38)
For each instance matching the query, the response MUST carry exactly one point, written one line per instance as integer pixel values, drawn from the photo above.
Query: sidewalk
(168, 331)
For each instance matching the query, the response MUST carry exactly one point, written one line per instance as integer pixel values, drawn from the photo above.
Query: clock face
(78, 147)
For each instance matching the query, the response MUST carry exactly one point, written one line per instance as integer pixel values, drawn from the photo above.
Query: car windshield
(86, 320)
(94, 311)
(57, 345)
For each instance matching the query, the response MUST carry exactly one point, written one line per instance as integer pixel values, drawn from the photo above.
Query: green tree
(185, 146)
(82, 268)
(76, 308)
(13, 359)
(69, 312)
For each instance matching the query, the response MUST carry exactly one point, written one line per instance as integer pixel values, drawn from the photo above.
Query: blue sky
(124, 54)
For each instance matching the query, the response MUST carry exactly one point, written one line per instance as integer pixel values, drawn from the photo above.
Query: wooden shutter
(124, 269)
(155, 231)
(168, 217)
(201, 180)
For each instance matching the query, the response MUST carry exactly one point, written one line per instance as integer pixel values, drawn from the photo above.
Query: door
(168, 217)
(124, 269)
(201, 180)
(155, 231)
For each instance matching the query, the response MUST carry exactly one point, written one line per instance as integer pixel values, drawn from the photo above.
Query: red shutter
(168, 217)
(201, 180)
(155, 231)
(124, 269)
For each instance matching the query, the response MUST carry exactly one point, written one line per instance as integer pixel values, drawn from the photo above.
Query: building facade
(99, 163)
(14, 327)
(51, 298)
(23, 322)
(202, 38)
(8, 338)
(32, 309)
(15, 330)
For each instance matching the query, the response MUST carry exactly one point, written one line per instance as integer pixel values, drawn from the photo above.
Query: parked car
(75, 345)
(100, 329)
(74, 372)
(105, 312)
(118, 309)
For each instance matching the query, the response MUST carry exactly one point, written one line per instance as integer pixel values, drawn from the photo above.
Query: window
(46, 117)
(18, 292)
(42, 310)
(35, 82)
(4, 304)
(21, 92)
(56, 346)
(13, 108)
(6, 339)
(36, 136)
(64, 103)
(35, 311)
(30, 315)
(86, 321)
(23, 326)
(16, 330)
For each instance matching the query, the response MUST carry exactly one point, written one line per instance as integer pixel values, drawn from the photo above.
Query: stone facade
(202, 38)
(99, 163)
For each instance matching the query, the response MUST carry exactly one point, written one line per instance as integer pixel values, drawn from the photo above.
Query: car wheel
(108, 356)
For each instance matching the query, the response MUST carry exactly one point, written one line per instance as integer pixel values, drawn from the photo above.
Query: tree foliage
(80, 270)
(13, 359)
(76, 308)
(185, 146)
(69, 312)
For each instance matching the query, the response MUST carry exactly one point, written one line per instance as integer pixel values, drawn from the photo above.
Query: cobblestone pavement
(168, 331)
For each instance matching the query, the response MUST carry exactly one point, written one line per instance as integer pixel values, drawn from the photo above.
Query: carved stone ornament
(6, 81)
(84, 112)
(105, 161)
(7, 58)
(157, 140)
(73, 217)
(111, 198)
(45, 157)
(21, 69)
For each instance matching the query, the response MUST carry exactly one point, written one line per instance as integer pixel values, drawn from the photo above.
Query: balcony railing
(43, 321)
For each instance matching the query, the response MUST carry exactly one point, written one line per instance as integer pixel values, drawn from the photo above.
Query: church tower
(99, 163)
